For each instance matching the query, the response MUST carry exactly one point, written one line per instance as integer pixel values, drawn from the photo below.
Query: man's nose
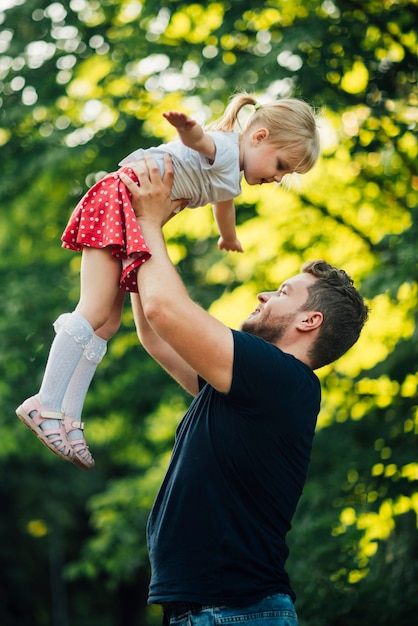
(264, 296)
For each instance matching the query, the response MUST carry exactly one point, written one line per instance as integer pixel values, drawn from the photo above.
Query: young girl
(279, 138)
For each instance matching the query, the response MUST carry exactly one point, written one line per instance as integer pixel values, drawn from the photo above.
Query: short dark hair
(343, 308)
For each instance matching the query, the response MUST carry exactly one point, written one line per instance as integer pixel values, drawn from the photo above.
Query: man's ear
(259, 135)
(310, 320)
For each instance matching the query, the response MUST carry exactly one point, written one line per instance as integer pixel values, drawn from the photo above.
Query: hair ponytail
(229, 119)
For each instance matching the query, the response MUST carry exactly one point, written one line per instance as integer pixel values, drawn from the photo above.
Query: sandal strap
(77, 424)
(51, 415)
(43, 411)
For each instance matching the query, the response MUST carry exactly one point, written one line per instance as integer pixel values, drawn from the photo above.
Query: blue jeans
(277, 610)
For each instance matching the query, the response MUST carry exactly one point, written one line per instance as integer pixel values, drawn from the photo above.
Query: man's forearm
(162, 291)
(161, 351)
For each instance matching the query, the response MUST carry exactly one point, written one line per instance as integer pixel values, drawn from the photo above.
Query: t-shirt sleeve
(265, 377)
(227, 153)
(223, 174)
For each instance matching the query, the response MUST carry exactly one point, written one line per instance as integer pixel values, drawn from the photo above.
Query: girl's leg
(99, 286)
(73, 333)
(42, 413)
(73, 402)
(94, 352)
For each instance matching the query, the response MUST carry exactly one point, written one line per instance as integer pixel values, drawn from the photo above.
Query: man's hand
(151, 199)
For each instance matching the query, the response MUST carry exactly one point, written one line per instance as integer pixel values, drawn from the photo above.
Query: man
(216, 533)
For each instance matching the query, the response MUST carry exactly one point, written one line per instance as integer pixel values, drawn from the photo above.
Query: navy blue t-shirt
(216, 533)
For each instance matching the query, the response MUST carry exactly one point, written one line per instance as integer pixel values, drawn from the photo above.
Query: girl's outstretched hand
(181, 121)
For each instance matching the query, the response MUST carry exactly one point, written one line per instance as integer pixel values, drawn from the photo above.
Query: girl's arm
(224, 213)
(192, 134)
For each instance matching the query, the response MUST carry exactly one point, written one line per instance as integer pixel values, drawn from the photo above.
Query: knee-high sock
(73, 335)
(75, 395)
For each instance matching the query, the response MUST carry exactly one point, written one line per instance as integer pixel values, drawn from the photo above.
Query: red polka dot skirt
(103, 218)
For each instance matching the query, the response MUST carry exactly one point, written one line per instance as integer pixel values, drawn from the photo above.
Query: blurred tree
(82, 84)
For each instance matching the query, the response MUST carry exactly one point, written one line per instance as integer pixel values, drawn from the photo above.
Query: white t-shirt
(195, 178)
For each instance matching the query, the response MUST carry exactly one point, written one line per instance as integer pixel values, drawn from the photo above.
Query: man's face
(279, 311)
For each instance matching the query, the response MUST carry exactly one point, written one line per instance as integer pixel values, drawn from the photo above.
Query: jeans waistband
(174, 609)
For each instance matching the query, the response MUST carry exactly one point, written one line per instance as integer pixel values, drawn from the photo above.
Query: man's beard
(267, 329)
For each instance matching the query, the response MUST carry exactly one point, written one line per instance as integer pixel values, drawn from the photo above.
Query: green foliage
(84, 83)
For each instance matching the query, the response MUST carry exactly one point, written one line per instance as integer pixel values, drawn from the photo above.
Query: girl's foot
(47, 425)
(74, 430)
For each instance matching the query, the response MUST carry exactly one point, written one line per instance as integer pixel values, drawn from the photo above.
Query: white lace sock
(73, 334)
(73, 402)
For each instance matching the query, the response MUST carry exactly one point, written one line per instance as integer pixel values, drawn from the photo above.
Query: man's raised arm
(204, 343)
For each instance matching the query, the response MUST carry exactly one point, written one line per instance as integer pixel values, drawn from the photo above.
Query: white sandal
(83, 457)
(33, 414)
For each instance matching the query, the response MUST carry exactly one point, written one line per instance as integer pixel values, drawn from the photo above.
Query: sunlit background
(82, 84)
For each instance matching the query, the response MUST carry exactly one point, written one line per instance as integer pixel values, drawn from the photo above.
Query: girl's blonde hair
(290, 122)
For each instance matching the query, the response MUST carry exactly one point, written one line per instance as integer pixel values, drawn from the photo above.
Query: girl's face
(261, 161)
